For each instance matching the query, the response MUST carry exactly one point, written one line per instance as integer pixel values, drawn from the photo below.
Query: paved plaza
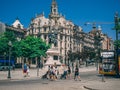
(17, 74)
(86, 84)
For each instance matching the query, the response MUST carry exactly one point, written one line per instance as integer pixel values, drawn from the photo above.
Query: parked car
(5, 68)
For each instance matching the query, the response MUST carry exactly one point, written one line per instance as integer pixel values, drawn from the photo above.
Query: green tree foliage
(31, 47)
(4, 39)
(117, 28)
(117, 43)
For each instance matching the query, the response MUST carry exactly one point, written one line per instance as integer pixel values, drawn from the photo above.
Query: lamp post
(116, 18)
(38, 65)
(10, 47)
(103, 79)
(98, 47)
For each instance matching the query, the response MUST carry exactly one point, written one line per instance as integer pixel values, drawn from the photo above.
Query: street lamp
(10, 47)
(98, 40)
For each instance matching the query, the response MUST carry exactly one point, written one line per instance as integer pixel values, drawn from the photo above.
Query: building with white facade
(62, 34)
(17, 24)
(66, 38)
(55, 30)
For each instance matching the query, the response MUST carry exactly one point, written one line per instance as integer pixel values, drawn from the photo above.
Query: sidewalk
(98, 84)
(18, 74)
(87, 69)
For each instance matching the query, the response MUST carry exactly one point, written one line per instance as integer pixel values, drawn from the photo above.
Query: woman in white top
(28, 70)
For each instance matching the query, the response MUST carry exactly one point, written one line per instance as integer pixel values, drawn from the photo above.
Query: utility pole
(116, 19)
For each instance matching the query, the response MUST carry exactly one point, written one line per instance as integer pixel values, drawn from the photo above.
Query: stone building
(62, 34)
(17, 29)
(106, 43)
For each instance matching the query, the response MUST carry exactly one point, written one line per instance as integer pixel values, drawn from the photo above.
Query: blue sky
(78, 11)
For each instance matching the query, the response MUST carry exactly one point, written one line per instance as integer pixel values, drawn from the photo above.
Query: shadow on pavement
(89, 88)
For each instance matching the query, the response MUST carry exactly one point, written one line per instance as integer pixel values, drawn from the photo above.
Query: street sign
(107, 54)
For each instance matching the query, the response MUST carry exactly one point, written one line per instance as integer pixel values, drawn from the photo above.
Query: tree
(4, 39)
(71, 56)
(117, 43)
(31, 47)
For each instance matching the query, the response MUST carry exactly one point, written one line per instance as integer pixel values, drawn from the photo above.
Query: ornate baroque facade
(62, 34)
(67, 35)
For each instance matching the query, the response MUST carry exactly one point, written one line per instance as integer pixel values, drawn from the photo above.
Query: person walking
(25, 70)
(28, 70)
(56, 72)
(76, 74)
(69, 72)
(52, 73)
(65, 73)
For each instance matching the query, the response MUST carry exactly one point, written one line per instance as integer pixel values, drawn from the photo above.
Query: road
(90, 79)
(40, 84)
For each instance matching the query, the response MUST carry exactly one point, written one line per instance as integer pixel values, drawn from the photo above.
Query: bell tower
(54, 7)
(54, 11)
